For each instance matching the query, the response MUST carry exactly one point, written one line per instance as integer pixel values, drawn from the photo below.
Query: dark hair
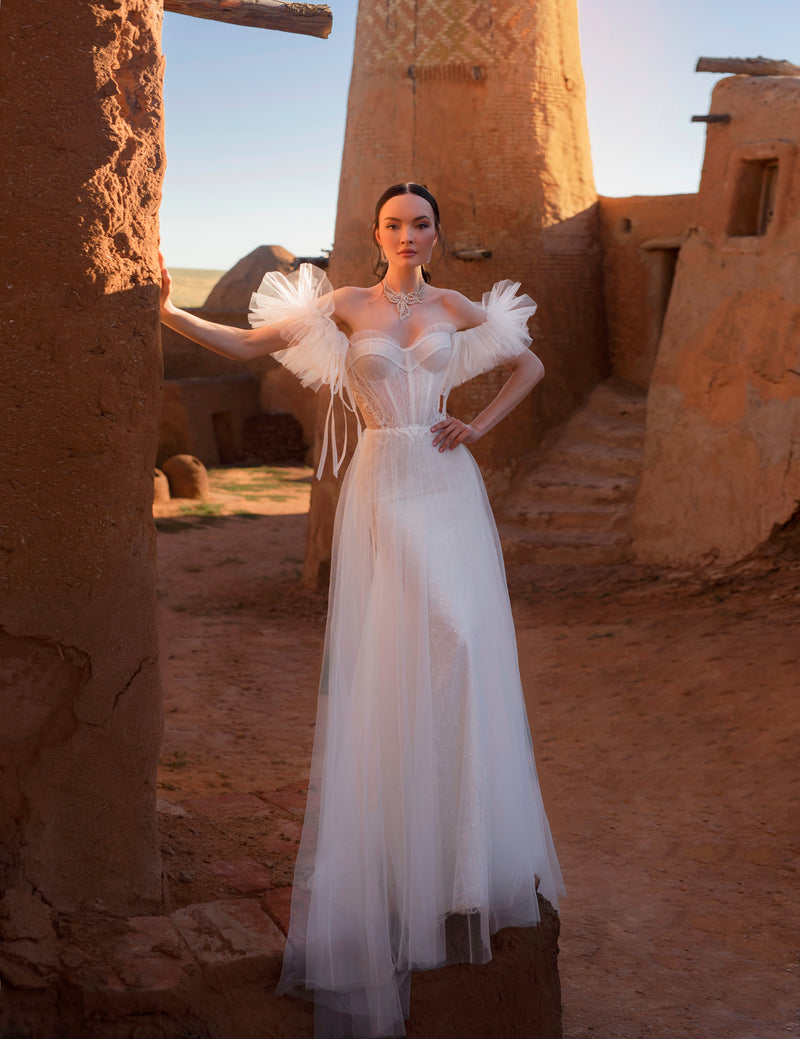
(380, 266)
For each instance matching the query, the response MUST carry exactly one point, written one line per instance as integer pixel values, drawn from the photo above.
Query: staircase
(574, 506)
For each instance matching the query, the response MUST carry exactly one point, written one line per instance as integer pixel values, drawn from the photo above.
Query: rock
(234, 289)
(28, 964)
(245, 877)
(152, 956)
(233, 941)
(518, 993)
(24, 915)
(187, 477)
(160, 486)
(277, 904)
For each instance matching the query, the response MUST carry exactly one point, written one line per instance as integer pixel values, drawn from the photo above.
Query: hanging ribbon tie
(341, 389)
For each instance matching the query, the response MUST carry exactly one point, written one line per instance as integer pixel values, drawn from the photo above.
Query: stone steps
(598, 458)
(563, 547)
(556, 515)
(574, 507)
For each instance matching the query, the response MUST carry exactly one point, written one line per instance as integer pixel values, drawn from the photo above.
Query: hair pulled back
(379, 265)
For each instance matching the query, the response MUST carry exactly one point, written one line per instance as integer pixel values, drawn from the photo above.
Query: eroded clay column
(80, 722)
(482, 101)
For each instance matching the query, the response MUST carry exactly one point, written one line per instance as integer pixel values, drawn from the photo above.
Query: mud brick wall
(81, 170)
(721, 461)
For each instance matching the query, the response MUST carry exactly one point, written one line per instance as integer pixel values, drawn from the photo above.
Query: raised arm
(241, 344)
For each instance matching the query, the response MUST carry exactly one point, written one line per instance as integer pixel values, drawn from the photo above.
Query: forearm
(241, 344)
(526, 373)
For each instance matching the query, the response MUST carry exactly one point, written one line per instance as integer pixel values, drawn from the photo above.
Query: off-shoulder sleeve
(502, 336)
(301, 303)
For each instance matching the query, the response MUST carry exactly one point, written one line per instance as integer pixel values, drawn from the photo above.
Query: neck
(405, 280)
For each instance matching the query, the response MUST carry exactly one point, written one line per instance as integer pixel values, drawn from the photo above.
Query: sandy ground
(666, 717)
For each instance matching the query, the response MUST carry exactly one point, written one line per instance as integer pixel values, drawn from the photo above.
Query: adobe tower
(482, 101)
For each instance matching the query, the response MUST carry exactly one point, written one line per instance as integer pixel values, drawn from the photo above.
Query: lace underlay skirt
(424, 830)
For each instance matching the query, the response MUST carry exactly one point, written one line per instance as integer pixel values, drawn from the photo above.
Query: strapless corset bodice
(399, 386)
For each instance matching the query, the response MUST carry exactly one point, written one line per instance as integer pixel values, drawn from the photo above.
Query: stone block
(245, 877)
(234, 941)
(151, 957)
(518, 993)
(277, 903)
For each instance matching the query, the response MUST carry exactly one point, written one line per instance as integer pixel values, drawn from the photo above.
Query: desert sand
(666, 723)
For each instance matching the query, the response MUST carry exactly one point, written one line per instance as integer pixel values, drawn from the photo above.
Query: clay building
(679, 316)
(721, 464)
(220, 410)
(667, 427)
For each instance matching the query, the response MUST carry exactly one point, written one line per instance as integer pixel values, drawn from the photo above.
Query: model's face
(406, 231)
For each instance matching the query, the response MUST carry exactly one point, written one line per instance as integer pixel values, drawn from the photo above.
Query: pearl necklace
(403, 300)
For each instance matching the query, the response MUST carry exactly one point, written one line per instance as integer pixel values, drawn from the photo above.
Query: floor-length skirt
(424, 831)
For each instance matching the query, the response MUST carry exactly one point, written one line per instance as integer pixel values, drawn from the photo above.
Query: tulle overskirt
(424, 830)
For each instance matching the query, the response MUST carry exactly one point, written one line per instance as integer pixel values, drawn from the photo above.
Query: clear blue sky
(255, 119)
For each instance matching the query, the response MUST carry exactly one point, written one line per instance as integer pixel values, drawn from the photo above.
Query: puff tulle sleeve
(501, 337)
(301, 303)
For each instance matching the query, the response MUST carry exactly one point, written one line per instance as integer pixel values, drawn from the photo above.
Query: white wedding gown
(424, 831)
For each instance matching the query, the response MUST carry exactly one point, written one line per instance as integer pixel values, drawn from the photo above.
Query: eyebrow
(396, 219)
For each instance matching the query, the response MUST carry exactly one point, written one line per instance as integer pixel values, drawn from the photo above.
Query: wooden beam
(748, 66)
(281, 15)
(713, 118)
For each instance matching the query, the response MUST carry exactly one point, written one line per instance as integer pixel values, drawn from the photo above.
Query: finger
(449, 438)
(458, 439)
(441, 429)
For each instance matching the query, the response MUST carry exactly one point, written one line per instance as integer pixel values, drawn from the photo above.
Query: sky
(255, 119)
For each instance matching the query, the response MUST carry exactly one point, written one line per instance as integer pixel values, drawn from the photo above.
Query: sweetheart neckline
(437, 326)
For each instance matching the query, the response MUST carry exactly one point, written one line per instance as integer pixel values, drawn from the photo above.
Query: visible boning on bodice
(400, 388)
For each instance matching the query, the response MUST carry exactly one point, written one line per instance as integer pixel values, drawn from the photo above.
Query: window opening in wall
(754, 197)
(666, 262)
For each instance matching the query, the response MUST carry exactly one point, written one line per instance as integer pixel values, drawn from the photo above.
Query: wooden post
(281, 15)
(748, 66)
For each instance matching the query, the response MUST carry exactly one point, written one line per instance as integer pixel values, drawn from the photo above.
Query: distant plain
(191, 285)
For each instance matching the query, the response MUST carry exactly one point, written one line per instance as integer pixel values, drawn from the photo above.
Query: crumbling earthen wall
(640, 237)
(722, 464)
(82, 162)
(485, 105)
(228, 303)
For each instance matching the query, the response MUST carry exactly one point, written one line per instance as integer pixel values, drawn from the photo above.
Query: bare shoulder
(464, 312)
(349, 301)
(352, 293)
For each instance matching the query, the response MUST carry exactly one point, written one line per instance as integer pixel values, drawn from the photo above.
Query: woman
(424, 830)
